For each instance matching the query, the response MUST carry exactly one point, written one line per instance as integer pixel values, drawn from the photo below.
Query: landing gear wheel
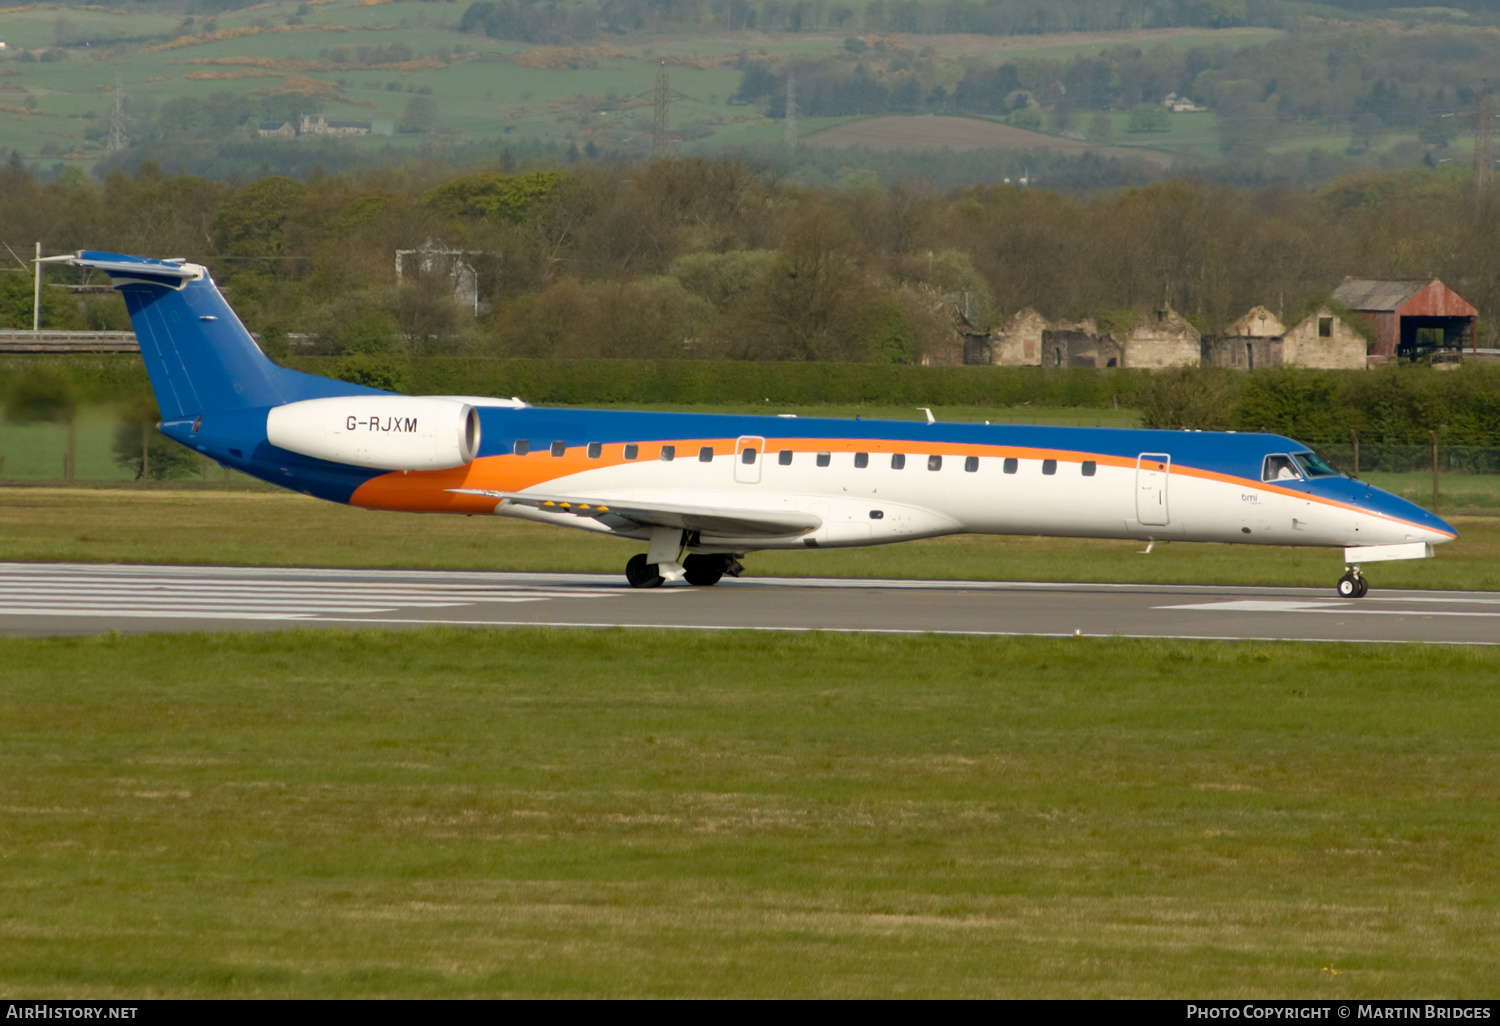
(704, 570)
(642, 574)
(1353, 584)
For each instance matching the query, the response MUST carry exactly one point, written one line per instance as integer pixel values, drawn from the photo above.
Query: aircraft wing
(713, 520)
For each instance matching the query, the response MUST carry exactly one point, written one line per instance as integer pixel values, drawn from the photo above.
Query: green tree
(260, 219)
(1188, 398)
(141, 449)
(1438, 130)
(721, 278)
(1148, 117)
(1101, 128)
(421, 115)
(59, 311)
(45, 396)
(1027, 118)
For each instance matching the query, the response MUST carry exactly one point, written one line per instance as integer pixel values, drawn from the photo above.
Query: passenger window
(668, 453)
(898, 461)
(632, 451)
(861, 460)
(747, 455)
(824, 459)
(1089, 466)
(971, 463)
(934, 463)
(784, 457)
(559, 448)
(595, 450)
(1278, 468)
(706, 454)
(522, 447)
(1011, 464)
(1049, 466)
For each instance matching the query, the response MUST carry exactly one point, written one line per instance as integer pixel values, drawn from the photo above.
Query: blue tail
(199, 356)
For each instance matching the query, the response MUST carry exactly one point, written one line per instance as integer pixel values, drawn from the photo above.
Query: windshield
(1313, 465)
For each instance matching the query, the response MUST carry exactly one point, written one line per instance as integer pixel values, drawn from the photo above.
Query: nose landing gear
(1353, 583)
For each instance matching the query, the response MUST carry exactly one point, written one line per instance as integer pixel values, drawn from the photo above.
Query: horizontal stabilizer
(118, 265)
(712, 520)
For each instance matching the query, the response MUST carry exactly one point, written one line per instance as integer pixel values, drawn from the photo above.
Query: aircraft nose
(1432, 527)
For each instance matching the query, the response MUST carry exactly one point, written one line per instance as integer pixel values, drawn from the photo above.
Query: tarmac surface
(45, 599)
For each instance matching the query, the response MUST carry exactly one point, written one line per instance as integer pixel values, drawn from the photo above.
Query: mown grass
(280, 528)
(610, 813)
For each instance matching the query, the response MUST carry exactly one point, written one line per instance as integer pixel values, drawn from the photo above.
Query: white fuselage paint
(916, 502)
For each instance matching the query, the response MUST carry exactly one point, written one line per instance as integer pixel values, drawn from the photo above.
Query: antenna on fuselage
(928, 410)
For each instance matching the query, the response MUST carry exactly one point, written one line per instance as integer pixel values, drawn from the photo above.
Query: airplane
(703, 490)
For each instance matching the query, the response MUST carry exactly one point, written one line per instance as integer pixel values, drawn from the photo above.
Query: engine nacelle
(395, 432)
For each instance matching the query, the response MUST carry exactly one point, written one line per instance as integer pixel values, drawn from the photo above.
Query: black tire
(1349, 586)
(1364, 588)
(704, 571)
(642, 574)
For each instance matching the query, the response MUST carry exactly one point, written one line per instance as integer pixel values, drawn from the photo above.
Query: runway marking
(1325, 606)
(244, 593)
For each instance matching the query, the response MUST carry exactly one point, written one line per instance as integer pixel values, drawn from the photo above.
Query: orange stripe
(426, 491)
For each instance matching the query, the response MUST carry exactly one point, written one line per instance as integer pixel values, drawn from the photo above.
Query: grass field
(280, 528)
(528, 813)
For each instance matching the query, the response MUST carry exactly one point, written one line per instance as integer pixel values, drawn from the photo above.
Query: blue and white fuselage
(701, 490)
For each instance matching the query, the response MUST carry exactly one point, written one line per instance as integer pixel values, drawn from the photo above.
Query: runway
(44, 599)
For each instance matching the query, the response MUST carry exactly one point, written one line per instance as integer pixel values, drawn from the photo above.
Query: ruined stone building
(1018, 342)
(1259, 339)
(1165, 339)
(1253, 340)
(1079, 344)
(1324, 339)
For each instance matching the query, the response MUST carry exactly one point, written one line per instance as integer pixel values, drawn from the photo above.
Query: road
(42, 599)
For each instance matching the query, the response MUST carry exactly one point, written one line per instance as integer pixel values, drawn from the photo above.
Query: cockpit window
(1313, 466)
(1279, 468)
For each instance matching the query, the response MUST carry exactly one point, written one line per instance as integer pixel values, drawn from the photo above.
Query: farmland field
(488, 92)
(961, 134)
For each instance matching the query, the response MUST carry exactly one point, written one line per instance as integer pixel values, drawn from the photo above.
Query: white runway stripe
(363, 591)
(255, 593)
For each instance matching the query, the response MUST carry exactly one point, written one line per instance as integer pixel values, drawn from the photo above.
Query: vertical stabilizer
(199, 356)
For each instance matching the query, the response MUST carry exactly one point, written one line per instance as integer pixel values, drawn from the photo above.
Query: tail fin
(198, 355)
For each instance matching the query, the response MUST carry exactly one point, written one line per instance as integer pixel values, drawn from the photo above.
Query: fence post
(1433, 436)
(1354, 437)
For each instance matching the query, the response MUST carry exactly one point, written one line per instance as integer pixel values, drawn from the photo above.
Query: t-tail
(222, 397)
(199, 356)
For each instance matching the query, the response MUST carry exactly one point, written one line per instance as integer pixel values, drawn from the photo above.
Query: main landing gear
(700, 570)
(1353, 583)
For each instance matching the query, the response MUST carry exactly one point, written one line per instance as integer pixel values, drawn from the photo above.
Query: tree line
(1368, 81)
(712, 259)
(532, 21)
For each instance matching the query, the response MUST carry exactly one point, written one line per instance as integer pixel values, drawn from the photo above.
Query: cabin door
(747, 456)
(1152, 471)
